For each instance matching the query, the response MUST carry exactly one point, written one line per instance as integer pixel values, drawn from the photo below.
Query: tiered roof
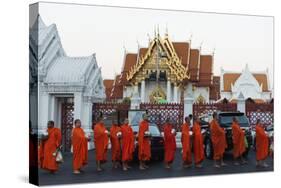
(199, 67)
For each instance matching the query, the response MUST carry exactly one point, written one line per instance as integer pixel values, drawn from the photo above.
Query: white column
(52, 108)
(78, 105)
(188, 106)
(86, 119)
(176, 90)
(135, 101)
(241, 104)
(143, 91)
(43, 111)
(168, 90)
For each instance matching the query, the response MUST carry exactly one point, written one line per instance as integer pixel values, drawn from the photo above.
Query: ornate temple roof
(57, 70)
(198, 67)
(230, 79)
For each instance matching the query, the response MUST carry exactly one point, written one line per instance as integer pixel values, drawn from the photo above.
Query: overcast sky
(237, 39)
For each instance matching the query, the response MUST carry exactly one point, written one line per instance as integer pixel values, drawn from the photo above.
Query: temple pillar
(176, 90)
(43, 111)
(135, 100)
(188, 105)
(241, 103)
(86, 119)
(168, 90)
(143, 91)
(78, 105)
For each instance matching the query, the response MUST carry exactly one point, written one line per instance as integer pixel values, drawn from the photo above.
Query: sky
(109, 31)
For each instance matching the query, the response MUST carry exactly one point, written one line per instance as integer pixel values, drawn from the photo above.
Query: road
(156, 170)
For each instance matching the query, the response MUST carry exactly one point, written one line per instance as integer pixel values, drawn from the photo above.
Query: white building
(254, 85)
(60, 79)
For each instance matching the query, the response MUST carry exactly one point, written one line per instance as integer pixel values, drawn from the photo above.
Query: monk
(80, 147)
(238, 140)
(101, 142)
(218, 141)
(169, 143)
(144, 143)
(115, 131)
(49, 147)
(128, 144)
(186, 145)
(198, 148)
(262, 145)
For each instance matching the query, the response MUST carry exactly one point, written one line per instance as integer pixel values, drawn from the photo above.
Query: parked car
(157, 142)
(225, 121)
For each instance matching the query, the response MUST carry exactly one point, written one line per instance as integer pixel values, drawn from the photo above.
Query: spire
(214, 50)
(201, 44)
(166, 32)
(158, 30)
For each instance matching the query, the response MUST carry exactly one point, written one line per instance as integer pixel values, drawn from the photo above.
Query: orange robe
(186, 145)
(261, 143)
(48, 147)
(115, 143)
(198, 148)
(128, 142)
(144, 143)
(238, 140)
(218, 140)
(169, 143)
(80, 148)
(101, 142)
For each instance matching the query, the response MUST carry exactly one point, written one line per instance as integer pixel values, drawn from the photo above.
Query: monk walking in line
(238, 140)
(262, 145)
(128, 144)
(169, 143)
(144, 143)
(101, 142)
(218, 141)
(80, 147)
(49, 147)
(198, 148)
(115, 136)
(186, 143)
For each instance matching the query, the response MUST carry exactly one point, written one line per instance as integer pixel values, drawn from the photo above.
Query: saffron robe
(101, 141)
(49, 147)
(186, 145)
(169, 143)
(262, 143)
(218, 139)
(144, 152)
(238, 140)
(198, 147)
(127, 142)
(115, 143)
(80, 148)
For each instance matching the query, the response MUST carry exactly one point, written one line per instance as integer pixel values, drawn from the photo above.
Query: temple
(253, 85)
(165, 72)
(57, 79)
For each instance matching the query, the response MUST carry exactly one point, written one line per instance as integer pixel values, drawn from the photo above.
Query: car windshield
(227, 120)
(153, 129)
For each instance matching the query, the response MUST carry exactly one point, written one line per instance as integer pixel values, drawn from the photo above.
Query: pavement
(156, 170)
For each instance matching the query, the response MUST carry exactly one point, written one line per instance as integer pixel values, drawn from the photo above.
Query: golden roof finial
(158, 30)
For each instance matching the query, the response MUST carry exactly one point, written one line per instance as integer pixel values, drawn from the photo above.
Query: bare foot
(236, 164)
(99, 169)
(76, 172)
(142, 168)
(223, 164)
(217, 166)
